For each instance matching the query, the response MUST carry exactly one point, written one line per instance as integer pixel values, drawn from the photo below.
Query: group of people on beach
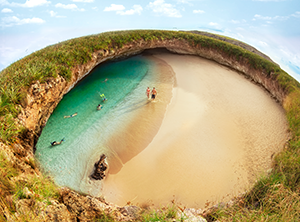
(153, 93)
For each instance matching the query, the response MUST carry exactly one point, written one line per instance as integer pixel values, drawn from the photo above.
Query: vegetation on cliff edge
(274, 197)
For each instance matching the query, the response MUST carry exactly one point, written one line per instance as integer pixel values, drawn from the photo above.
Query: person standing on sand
(154, 93)
(148, 92)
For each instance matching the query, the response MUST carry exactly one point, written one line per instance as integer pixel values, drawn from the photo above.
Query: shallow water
(90, 133)
(206, 137)
(218, 135)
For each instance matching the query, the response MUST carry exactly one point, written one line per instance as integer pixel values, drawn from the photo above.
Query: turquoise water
(85, 135)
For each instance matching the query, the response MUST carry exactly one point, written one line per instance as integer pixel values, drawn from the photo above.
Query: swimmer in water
(103, 97)
(99, 107)
(54, 143)
(75, 114)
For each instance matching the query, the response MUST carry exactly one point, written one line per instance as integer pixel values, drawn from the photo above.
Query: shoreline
(192, 117)
(142, 122)
(44, 95)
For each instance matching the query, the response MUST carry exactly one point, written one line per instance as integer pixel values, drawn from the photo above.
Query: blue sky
(271, 26)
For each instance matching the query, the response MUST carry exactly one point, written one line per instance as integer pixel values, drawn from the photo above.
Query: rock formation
(42, 98)
(100, 168)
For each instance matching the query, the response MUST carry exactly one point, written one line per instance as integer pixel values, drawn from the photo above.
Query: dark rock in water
(100, 168)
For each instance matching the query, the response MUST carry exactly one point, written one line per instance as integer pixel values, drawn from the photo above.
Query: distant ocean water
(124, 84)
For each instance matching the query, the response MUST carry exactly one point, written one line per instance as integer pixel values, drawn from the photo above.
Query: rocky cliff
(42, 98)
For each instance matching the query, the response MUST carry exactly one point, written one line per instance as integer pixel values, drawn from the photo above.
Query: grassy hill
(275, 197)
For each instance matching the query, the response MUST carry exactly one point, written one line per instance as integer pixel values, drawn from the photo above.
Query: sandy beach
(216, 136)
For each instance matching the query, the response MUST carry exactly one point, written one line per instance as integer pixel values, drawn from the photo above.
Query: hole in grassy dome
(207, 136)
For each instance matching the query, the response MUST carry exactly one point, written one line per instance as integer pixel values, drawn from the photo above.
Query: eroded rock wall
(42, 98)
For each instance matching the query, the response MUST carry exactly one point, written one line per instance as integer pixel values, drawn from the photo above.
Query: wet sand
(141, 122)
(217, 136)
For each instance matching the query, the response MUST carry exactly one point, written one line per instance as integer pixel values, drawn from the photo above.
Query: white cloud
(235, 21)
(184, 2)
(262, 17)
(296, 14)
(290, 58)
(119, 9)
(4, 2)
(87, 1)
(276, 18)
(295, 58)
(68, 6)
(34, 3)
(161, 8)
(264, 44)
(213, 24)
(238, 21)
(9, 54)
(137, 9)
(198, 11)
(6, 10)
(240, 35)
(13, 20)
(54, 14)
(269, 0)
(114, 7)
(33, 20)
(28, 3)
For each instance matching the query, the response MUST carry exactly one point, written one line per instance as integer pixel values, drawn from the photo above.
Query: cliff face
(42, 98)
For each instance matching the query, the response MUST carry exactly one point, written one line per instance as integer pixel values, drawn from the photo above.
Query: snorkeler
(103, 97)
(75, 114)
(99, 107)
(54, 143)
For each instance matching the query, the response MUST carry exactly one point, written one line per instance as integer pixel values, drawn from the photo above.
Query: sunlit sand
(215, 138)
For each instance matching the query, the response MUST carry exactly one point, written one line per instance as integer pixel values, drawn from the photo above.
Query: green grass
(60, 59)
(168, 213)
(42, 188)
(278, 203)
(273, 198)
